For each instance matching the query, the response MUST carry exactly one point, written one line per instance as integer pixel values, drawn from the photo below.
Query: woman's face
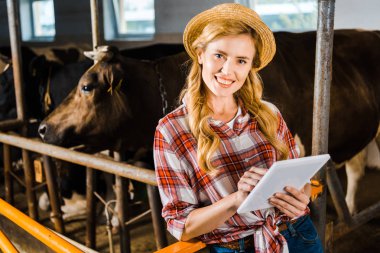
(226, 63)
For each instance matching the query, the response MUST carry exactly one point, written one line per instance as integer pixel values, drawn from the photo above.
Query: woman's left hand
(294, 202)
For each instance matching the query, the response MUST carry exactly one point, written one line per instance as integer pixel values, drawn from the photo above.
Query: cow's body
(128, 116)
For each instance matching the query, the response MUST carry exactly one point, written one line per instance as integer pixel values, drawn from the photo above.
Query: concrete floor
(364, 239)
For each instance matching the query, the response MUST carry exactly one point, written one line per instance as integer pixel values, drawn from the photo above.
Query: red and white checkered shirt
(184, 186)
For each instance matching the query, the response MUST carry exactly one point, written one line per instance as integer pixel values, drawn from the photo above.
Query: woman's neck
(223, 109)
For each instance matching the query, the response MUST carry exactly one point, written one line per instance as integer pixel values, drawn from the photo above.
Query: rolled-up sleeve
(177, 196)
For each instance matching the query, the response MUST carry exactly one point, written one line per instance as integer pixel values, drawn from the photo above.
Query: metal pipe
(109, 225)
(10, 124)
(359, 219)
(123, 170)
(29, 185)
(41, 233)
(123, 202)
(158, 222)
(54, 196)
(91, 208)
(6, 245)
(321, 106)
(7, 174)
(14, 35)
(95, 24)
(138, 217)
(337, 195)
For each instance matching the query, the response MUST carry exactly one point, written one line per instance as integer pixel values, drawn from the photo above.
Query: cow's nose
(42, 130)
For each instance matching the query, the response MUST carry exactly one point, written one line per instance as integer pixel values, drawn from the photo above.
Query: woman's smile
(224, 82)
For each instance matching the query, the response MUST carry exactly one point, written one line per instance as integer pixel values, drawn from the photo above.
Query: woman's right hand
(247, 182)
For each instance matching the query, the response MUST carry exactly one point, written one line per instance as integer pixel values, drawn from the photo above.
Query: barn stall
(13, 140)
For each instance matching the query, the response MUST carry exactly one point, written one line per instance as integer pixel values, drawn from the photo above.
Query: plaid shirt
(184, 186)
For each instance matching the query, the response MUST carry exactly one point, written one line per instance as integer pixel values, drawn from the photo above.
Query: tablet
(292, 172)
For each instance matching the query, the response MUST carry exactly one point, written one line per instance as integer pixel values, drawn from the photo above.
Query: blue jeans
(302, 236)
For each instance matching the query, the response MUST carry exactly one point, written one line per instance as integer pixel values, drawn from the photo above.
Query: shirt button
(246, 160)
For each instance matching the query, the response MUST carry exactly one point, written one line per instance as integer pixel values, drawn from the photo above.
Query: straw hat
(229, 12)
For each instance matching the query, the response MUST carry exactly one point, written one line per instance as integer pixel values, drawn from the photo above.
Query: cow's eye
(87, 88)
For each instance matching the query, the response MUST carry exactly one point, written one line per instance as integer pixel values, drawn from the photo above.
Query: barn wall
(73, 20)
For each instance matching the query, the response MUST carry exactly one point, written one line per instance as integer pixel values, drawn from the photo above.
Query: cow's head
(96, 107)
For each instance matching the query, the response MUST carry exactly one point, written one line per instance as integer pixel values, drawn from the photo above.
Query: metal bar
(6, 245)
(105, 203)
(359, 219)
(18, 179)
(11, 124)
(31, 226)
(14, 35)
(138, 217)
(29, 185)
(7, 174)
(55, 203)
(95, 24)
(122, 212)
(337, 194)
(158, 224)
(91, 212)
(321, 106)
(120, 169)
(39, 186)
(123, 202)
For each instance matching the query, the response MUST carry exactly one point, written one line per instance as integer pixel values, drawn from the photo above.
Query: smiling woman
(211, 151)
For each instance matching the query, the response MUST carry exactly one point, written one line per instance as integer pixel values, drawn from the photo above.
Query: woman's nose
(227, 67)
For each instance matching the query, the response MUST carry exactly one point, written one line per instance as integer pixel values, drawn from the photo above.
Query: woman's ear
(200, 56)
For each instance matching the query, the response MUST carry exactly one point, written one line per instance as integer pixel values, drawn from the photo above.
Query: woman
(211, 151)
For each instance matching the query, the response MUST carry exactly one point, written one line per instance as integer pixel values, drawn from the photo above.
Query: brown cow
(119, 101)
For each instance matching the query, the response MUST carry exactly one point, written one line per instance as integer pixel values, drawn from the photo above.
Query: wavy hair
(250, 94)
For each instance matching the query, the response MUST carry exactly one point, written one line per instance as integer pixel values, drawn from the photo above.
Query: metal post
(7, 174)
(91, 212)
(95, 24)
(122, 198)
(158, 224)
(54, 196)
(14, 34)
(322, 83)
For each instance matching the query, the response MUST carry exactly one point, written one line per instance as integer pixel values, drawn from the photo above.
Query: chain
(163, 93)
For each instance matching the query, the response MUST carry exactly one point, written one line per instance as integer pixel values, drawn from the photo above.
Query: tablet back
(293, 172)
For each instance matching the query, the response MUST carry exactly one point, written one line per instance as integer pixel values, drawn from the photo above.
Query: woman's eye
(242, 62)
(219, 56)
(87, 88)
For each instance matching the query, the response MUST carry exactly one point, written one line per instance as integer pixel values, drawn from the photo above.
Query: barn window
(37, 19)
(286, 15)
(129, 19)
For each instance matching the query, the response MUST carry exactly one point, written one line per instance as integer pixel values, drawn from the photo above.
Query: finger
(249, 174)
(307, 189)
(299, 195)
(291, 201)
(285, 207)
(260, 171)
(242, 186)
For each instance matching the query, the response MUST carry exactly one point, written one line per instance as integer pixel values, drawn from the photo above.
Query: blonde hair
(250, 95)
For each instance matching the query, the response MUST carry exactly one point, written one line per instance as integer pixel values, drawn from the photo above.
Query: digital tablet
(292, 172)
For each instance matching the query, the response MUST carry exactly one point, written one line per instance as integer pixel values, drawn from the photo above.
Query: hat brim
(231, 12)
